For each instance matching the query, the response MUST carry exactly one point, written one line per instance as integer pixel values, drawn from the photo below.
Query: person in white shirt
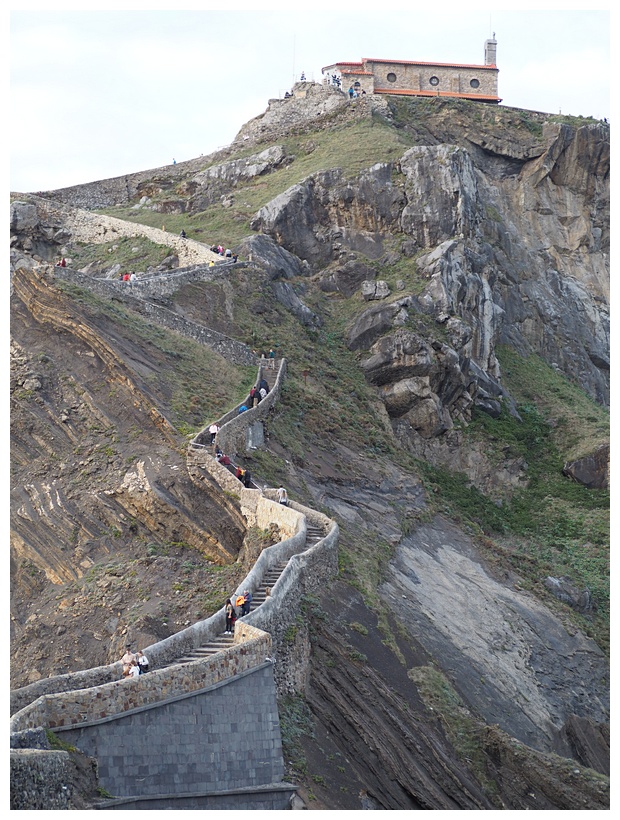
(214, 430)
(282, 495)
(143, 662)
(134, 670)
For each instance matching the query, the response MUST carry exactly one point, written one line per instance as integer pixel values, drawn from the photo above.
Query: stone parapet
(84, 706)
(235, 435)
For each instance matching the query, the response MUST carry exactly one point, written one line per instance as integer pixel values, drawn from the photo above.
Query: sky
(97, 94)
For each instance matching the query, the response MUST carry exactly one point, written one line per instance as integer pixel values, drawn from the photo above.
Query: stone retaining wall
(221, 736)
(39, 779)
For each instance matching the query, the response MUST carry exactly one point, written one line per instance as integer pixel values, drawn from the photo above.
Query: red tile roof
(418, 62)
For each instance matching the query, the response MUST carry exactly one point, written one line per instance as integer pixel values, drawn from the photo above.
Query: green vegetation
(57, 744)
(132, 253)
(460, 726)
(194, 384)
(553, 526)
(296, 722)
(578, 425)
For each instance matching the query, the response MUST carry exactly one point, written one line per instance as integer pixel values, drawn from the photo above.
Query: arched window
(391, 77)
(356, 84)
(434, 80)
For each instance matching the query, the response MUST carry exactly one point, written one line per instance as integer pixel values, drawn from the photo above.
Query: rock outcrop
(505, 239)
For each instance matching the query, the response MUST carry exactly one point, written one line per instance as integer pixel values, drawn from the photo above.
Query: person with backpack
(247, 601)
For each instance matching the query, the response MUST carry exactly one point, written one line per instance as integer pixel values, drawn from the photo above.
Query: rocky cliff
(437, 274)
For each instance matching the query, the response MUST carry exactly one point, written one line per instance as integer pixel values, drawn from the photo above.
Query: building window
(434, 80)
(391, 77)
(356, 84)
(474, 83)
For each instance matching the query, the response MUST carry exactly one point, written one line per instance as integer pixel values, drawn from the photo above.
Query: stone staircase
(223, 640)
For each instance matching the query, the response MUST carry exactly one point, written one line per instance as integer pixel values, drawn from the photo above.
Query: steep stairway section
(259, 596)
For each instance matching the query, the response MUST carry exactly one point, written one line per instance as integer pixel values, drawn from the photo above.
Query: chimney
(490, 51)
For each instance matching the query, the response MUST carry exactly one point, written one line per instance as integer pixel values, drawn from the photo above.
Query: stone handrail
(86, 706)
(233, 425)
(296, 577)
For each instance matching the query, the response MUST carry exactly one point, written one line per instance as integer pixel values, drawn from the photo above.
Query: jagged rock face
(346, 278)
(309, 104)
(208, 186)
(509, 240)
(316, 219)
(441, 192)
(275, 260)
(372, 291)
(422, 382)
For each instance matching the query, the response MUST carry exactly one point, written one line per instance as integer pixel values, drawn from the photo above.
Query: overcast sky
(97, 94)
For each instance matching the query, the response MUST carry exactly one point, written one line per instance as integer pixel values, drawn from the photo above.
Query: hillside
(436, 274)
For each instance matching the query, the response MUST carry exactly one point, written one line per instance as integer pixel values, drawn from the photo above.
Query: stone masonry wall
(61, 709)
(235, 429)
(224, 736)
(39, 779)
(452, 79)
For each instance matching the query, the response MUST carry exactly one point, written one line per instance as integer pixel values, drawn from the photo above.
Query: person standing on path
(213, 430)
(143, 662)
(282, 496)
(247, 601)
(231, 617)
